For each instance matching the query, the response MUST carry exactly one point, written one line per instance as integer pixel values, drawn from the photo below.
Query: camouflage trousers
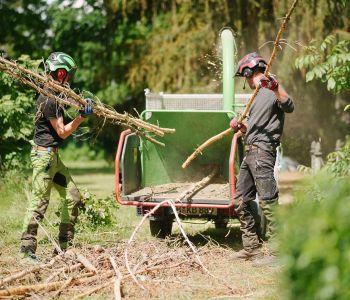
(49, 171)
(256, 177)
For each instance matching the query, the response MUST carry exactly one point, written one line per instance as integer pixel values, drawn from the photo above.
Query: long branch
(219, 136)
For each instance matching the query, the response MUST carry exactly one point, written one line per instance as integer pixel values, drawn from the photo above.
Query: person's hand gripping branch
(237, 126)
(268, 82)
(88, 110)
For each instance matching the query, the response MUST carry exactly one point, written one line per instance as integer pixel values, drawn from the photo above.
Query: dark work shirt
(266, 119)
(46, 109)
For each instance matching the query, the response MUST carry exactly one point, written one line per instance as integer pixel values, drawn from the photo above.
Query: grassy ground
(98, 178)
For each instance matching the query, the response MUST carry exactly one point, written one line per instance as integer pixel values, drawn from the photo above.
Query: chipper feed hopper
(147, 174)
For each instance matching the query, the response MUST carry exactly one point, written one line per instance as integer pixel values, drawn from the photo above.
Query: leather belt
(48, 149)
(250, 147)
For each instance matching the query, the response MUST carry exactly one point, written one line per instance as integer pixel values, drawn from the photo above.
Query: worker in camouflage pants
(262, 131)
(48, 169)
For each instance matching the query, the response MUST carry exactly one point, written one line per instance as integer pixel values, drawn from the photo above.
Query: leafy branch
(329, 61)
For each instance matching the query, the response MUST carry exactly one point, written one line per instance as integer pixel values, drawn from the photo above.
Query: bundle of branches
(45, 85)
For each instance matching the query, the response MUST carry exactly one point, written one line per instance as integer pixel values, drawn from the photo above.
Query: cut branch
(207, 143)
(117, 280)
(275, 49)
(83, 260)
(52, 286)
(197, 186)
(28, 271)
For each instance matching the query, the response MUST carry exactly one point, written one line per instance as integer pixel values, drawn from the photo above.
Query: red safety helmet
(247, 64)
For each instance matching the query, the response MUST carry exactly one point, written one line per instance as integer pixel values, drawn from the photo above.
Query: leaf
(331, 83)
(347, 107)
(318, 71)
(309, 76)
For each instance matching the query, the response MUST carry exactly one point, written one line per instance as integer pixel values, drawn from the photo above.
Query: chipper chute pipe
(228, 54)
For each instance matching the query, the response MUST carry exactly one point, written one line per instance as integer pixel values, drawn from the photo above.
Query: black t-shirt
(46, 109)
(266, 119)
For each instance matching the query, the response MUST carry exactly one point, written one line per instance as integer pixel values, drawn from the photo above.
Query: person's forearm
(281, 94)
(72, 126)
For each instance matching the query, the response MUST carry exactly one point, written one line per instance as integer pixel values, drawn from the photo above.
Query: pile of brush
(82, 272)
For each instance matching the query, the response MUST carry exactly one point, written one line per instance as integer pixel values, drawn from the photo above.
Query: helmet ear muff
(61, 75)
(247, 72)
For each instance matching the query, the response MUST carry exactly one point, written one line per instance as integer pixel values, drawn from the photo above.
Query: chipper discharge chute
(147, 174)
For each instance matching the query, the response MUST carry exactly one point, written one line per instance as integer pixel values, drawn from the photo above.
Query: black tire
(220, 224)
(161, 228)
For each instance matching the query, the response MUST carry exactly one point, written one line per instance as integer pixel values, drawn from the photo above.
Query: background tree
(123, 47)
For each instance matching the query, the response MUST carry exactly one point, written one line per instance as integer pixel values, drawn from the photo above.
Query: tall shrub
(315, 235)
(16, 119)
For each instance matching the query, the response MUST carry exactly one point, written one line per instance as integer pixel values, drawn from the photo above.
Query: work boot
(27, 256)
(248, 254)
(268, 207)
(66, 235)
(268, 260)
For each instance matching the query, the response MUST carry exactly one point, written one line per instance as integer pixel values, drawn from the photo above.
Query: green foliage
(16, 119)
(80, 151)
(96, 212)
(315, 236)
(338, 163)
(329, 62)
(315, 241)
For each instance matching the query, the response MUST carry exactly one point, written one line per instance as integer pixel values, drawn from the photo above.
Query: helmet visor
(71, 74)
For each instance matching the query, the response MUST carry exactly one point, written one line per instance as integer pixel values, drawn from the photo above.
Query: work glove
(235, 125)
(269, 83)
(88, 109)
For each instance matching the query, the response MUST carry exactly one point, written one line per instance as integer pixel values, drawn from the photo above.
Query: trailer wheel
(220, 224)
(161, 228)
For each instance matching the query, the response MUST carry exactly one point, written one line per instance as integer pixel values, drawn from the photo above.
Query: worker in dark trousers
(263, 131)
(48, 169)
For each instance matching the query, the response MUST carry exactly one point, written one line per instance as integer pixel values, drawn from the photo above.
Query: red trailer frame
(229, 207)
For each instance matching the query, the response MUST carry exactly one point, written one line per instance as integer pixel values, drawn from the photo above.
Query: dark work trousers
(256, 177)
